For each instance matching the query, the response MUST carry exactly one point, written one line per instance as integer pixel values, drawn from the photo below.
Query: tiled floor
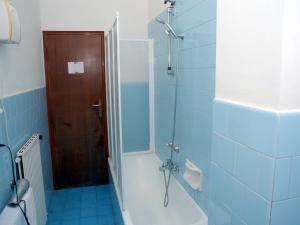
(81, 206)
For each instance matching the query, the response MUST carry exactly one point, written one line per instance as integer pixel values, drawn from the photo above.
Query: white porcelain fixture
(10, 29)
(193, 175)
(144, 190)
(14, 216)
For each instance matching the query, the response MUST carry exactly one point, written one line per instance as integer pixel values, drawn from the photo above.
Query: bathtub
(144, 192)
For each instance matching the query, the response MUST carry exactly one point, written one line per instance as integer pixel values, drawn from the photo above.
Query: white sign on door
(75, 67)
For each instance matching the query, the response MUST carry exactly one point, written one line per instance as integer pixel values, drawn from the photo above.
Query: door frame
(103, 121)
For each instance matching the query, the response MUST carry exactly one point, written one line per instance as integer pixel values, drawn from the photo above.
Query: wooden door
(77, 125)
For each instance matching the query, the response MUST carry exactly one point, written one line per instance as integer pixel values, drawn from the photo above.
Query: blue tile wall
(289, 131)
(255, 170)
(294, 190)
(286, 212)
(255, 163)
(196, 87)
(135, 116)
(282, 179)
(248, 126)
(250, 157)
(26, 113)
(221, 145)
(233, 202)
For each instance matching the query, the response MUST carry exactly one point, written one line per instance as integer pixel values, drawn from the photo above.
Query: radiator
(31, 169)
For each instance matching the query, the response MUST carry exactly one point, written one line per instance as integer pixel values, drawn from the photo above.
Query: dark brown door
(77, 125)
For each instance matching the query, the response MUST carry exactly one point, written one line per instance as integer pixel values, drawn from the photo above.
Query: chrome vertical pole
(170, 69)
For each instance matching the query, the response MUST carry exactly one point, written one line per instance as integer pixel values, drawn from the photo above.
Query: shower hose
(167, 178)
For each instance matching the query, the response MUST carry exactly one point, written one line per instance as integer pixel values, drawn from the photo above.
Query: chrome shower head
(171, 1)
(169, 29)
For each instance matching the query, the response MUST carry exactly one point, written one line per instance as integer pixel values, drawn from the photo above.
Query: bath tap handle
(176, 168)
(170, 144)
(162, 167)
(177, 149)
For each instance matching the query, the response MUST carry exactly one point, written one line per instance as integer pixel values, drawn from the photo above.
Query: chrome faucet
(169, 165)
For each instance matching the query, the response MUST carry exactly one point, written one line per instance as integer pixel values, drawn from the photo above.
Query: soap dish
(193, 175)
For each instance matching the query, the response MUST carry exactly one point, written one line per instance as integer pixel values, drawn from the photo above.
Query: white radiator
(31, 165)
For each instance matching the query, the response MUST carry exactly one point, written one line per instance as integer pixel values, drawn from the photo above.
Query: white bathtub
(144, 191)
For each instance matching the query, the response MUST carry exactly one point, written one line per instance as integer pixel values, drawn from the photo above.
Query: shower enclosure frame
(113, 90)
(114, 115)
(142, 162)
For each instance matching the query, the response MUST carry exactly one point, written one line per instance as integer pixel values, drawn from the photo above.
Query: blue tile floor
(81, 206)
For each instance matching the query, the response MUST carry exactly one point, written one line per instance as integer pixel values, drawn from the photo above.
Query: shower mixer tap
(173, 147)
(169, 165)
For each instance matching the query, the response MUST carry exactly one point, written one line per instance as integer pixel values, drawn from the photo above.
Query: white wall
(155, 8)
(96, 15)
(21, 66)
(258, 49)
(249, 36)
(290, 78)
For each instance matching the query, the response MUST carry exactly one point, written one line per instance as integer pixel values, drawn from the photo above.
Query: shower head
(169, 29)
(171, 1)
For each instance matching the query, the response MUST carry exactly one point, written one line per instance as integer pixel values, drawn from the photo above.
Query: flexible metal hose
(167, 184)
(167, 181)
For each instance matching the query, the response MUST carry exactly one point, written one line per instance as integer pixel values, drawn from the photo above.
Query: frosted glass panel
(134, 61)
(134, 64)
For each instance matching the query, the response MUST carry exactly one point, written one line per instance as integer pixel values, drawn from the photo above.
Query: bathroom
(145, 112)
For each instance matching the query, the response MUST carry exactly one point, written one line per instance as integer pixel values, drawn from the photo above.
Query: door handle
(99, 106)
